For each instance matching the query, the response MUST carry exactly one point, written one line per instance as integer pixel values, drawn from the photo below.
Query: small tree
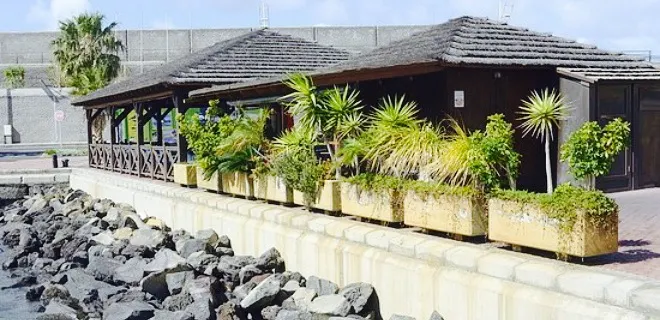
(14, 77)
(591, 150)
(541, 114)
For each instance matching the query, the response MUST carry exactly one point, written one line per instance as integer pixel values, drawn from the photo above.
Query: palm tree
(84, 48)
(541, 114)
(86, 55)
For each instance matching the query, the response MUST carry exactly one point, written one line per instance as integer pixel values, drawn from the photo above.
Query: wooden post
(182, 143)
(140, 133)
(113, 137)
(88, 113)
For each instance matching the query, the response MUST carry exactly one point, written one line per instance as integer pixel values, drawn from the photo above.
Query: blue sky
(610, 24)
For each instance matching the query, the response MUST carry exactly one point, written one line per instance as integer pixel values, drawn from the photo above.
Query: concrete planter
(238, 183)
(272, 188)
(527, 225)
(211, 184)
(185, 174)
(446, 213)
(383, 206)
(328, 197)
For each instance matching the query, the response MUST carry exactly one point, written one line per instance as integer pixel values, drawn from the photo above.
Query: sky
(610, 24)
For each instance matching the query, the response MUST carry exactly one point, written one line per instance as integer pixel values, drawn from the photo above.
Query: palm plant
(335, 114)
(541, 114)
(86, 48)
(244, 149)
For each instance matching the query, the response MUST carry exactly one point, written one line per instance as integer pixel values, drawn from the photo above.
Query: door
(615, 101)
(647, 140)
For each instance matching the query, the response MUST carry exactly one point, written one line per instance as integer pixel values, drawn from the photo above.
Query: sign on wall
(59, 115)
(459, 99)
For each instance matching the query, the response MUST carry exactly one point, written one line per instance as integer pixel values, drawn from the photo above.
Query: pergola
(152, 95)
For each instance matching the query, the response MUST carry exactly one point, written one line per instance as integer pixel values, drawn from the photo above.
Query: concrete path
(639, 223)
(639, 234)
(39, 162)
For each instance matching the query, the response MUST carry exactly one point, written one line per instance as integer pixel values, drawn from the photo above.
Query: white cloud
(50, 12)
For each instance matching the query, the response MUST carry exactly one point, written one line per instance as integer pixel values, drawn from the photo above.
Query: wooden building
(469, 68)
(156, 93)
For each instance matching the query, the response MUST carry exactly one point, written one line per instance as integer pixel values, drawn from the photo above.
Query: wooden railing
(155, 162)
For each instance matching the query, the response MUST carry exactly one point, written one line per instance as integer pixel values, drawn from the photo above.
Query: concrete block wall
(414, 274)
(34, 51)
(31, 113)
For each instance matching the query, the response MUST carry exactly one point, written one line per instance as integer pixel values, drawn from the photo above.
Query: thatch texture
(255, 55)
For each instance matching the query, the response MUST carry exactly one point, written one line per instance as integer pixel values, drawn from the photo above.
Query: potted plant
(242, 152)
(204, 136)
(468, 166)
(383, 150)
(327, 117)
(571, 221)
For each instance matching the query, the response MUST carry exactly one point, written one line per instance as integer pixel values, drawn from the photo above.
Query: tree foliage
(591, 150)
(86, 52)
(14, 77)
(541, 113)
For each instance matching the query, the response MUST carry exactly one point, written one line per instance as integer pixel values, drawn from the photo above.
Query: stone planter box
(185, 174)
(238, 183)
(447, 213)
(382, 206)
(212, 184)
(526, 225)
(272, 188)
(328, 198)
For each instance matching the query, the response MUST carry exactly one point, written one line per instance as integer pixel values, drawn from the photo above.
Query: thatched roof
(470, 41)
(255, 55)
(622, 74)
(480, 41)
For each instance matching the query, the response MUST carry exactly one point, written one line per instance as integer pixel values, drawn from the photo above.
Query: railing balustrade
(151, 161)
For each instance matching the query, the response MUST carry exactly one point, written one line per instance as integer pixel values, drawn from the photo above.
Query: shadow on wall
(30, 111)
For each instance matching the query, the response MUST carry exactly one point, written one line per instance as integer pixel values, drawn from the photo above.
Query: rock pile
(86, 258)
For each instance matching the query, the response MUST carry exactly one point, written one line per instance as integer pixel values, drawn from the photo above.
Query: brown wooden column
(182, 143)
(113, 137)
(140, 136)
(88, 114)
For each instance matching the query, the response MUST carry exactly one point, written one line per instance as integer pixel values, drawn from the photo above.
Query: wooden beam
(164, 113)
(182, 143)
(140, 136)
(151, 111)
(141, 99)
(88, 113)
(123, 115)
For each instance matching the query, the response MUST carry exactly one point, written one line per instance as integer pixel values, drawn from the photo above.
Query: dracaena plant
(541, 114)
(333, 114)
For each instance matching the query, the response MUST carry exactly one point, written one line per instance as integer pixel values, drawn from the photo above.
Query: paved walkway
(639, 234)
(639, 223)
(39, 163)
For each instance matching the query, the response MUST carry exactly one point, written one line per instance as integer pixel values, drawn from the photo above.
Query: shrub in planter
(242, 152)
(571, 221)
(591, 150)
(204, 136)
(440, 207)
(373, 196)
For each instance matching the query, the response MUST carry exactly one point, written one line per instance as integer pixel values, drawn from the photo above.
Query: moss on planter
(565, 204)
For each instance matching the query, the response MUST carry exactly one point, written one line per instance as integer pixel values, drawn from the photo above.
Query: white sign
(459, 99)
(59, 115)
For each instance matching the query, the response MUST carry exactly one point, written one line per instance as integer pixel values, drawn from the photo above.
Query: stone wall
(31, 113)
(413, 273)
